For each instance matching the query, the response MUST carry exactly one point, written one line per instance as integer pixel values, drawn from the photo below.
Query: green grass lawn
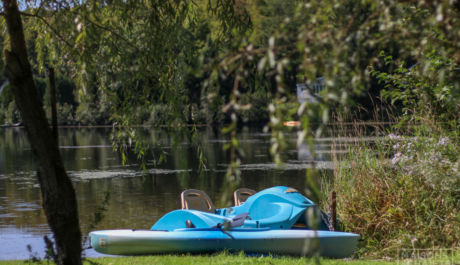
(225, 258)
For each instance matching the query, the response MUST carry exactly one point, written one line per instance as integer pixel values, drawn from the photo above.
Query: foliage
(6, 96)
(89, 113)
(98, 51)
(342, 41)
(107, 53)
(65, 89)
(419, 89)
(402, 190)
(266, 16)
(65, 114)
(158, 114)
(132, 59)
(12, 113)
(258, 111)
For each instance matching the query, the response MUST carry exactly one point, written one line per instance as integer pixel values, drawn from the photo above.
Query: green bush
(12, 114)
(85, 113)
(211, 109)
(159, 114)
(65, 114)
(89, 113)
(427, 89)
(258, 111)
(404, 193)
(198, 114)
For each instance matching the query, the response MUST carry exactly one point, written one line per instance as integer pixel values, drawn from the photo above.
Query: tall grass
(401, 193)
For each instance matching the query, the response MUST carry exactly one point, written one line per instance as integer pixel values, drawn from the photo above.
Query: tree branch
(39, 8)
(112, 32)
(49, 26)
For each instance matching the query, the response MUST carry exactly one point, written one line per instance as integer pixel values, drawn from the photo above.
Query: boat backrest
(197, 200)
(242, 194)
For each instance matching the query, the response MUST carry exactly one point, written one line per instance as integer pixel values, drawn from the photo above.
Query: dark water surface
(139, 197)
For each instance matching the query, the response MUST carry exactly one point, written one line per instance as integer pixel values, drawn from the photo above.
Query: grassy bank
(225, 258)
(402, 193)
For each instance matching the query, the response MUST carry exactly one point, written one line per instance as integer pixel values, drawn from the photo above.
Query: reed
(401, 193)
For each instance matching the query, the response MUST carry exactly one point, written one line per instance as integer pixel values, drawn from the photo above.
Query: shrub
(12, 114)
(258, 111)
(198, 114)
(159, 114)
(89, 113)
(65, 114)
(404, 193)
(211, 109)
(85, 113)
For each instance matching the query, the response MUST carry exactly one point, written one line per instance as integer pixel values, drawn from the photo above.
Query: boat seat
(192, 199)
(242, 194)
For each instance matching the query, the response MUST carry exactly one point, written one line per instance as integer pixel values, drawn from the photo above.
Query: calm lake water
(139, 197)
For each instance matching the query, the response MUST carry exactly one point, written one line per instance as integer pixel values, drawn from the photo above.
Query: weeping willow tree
(127, 53)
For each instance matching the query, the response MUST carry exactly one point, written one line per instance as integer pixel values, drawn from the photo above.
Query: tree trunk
(52, 81)
(58, 194)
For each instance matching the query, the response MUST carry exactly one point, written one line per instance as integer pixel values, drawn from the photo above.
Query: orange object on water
(291, 123)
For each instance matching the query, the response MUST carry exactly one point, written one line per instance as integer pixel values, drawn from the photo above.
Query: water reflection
(139, 197)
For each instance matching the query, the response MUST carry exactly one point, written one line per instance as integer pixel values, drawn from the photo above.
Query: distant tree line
(111, 67)
(130, 70)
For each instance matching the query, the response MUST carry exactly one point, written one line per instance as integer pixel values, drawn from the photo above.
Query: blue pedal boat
(270, 221)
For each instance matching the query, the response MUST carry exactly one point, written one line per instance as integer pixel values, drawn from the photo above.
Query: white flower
(443, 141)
(396, 158)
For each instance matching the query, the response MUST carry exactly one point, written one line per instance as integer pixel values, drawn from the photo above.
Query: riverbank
(401, 192)
(225, 258)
